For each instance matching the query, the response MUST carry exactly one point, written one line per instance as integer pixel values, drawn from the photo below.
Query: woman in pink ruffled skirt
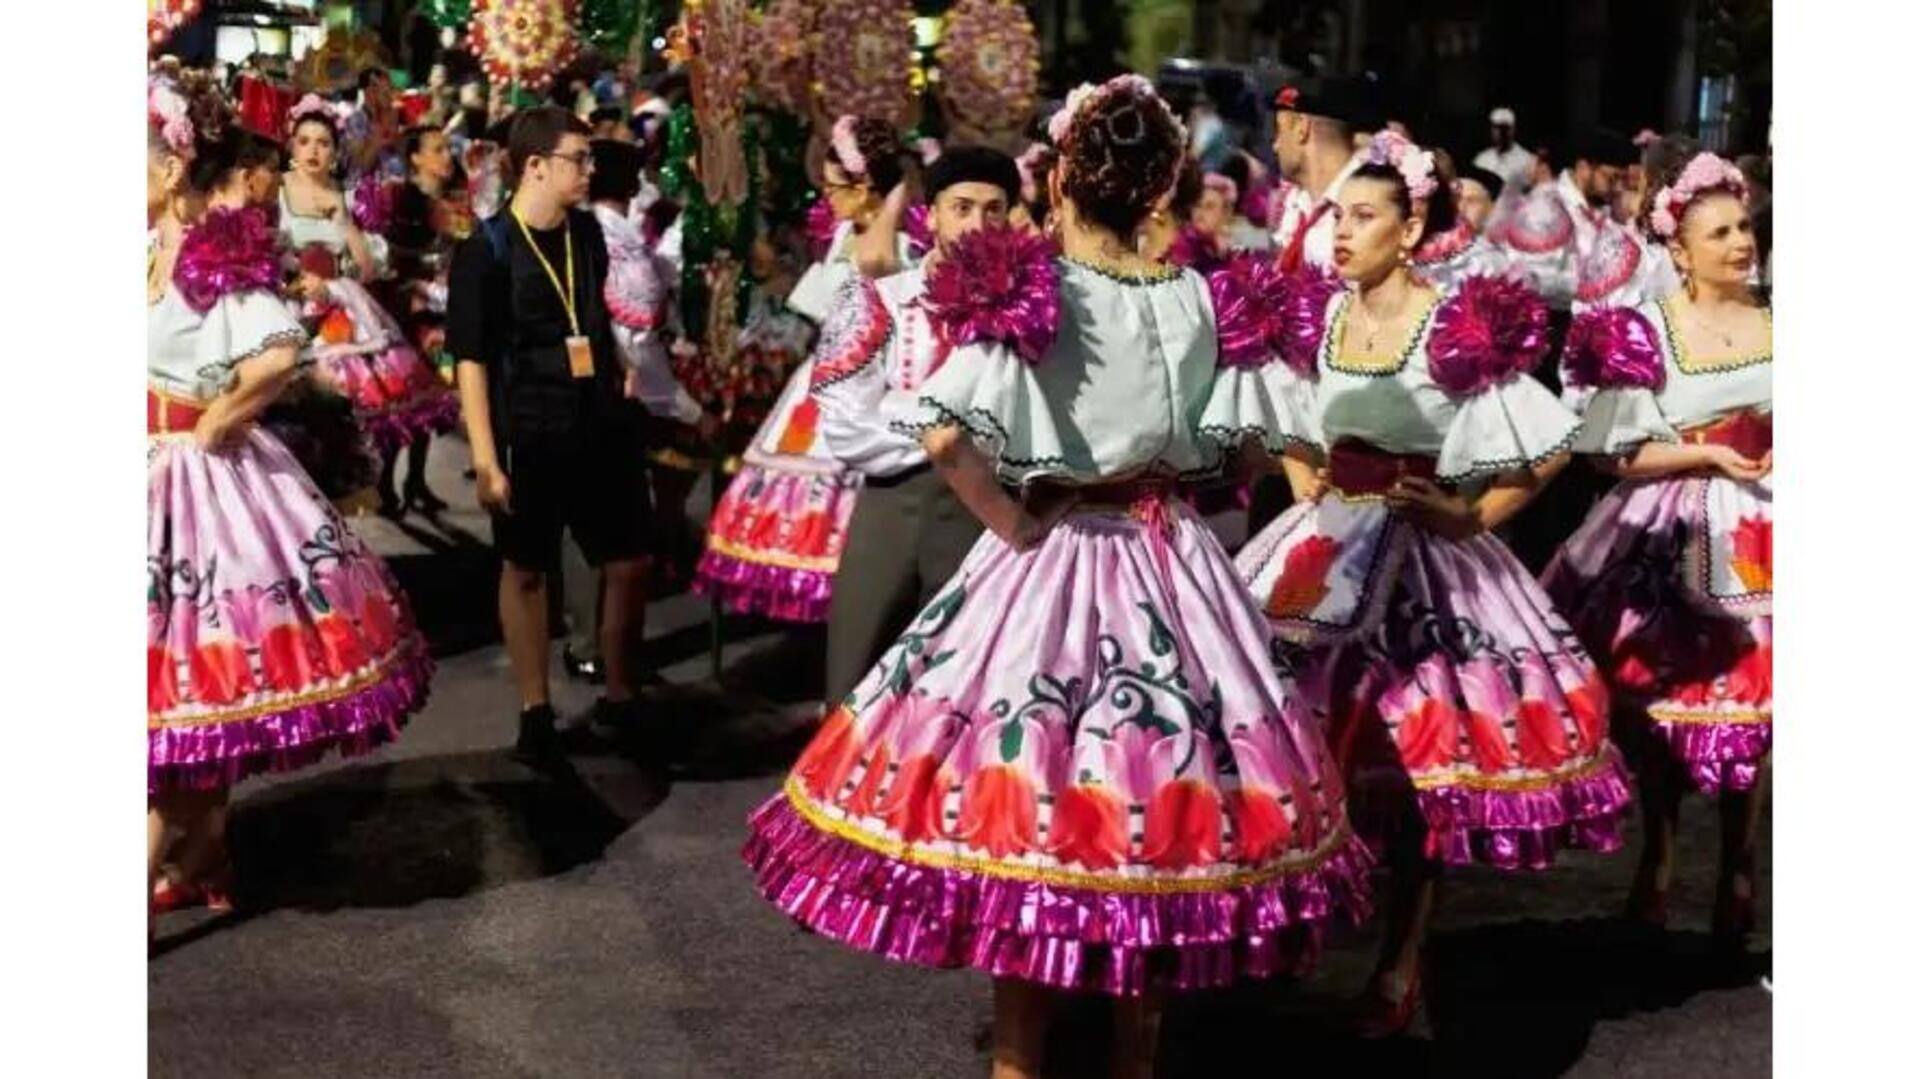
(274, 635)
(1464, 712)
(1078, 770)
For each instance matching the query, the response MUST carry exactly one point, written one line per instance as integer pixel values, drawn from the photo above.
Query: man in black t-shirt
(556, 443)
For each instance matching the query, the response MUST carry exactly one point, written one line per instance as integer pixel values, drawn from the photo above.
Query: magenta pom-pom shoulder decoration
(1249, 310)
(1614, 347)
(996, 285)
(1304, 321)
(820, 227)
(1490, 330)
(228, 251)
(373, 200)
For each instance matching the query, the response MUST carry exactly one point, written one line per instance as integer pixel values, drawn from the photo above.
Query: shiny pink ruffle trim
(1505, 829)
(778, 592)
(1068, 938)
(1719, 756)
(222, 754)
(395, 427)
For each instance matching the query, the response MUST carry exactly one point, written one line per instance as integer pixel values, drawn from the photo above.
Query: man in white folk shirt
(1506, 158)
(1315, 125)
(1313, 138)
(909, 534)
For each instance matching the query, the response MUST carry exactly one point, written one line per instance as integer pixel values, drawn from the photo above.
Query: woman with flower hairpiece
(398, 397)
(1462, 709)
(775, 536)
(1077, 770)
(1670, 580)
(273, 634)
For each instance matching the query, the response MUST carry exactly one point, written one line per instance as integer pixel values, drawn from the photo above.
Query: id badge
(580, 356)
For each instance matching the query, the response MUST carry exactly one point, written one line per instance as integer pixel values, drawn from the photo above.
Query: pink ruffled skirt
(774, 541)
(1693, 675)
(1077, 767)
(396, 396)
(273, 634)
(1458, 702)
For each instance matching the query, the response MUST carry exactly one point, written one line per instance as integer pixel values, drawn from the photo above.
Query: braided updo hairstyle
(1121, 153)
(885, 156)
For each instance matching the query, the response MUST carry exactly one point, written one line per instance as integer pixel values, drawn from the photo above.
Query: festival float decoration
(863, 59)
(989, 61)
(165, 18)
(523, 42)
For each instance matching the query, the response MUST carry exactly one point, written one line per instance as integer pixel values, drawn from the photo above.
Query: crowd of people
(1503, 434)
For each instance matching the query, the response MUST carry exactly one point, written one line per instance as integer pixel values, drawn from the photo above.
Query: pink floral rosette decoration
(524, 41)
(229, 251)
(863, 58)
(989, 65)
(1492, 330)
(997, 284)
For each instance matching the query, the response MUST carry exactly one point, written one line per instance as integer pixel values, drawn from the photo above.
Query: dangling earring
(1686, 282)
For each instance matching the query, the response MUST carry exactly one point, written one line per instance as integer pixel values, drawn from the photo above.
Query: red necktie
(1296, 247)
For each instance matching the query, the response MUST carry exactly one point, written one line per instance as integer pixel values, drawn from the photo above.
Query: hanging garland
(989, 66)
(863, 58)
(524, 41)
(165, 18)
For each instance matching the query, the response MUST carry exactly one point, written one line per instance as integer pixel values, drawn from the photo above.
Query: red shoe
(170, 895)
(1376, 1017)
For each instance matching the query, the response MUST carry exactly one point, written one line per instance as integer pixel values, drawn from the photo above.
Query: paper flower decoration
(781, 60)
(863, 57)
(989, 64)
(524, 41)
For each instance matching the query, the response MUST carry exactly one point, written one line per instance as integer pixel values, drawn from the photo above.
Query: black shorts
(592, 484)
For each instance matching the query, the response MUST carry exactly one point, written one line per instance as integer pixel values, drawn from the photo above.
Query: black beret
(973, 164)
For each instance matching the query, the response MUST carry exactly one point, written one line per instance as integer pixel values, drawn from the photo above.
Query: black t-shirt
(511, 319)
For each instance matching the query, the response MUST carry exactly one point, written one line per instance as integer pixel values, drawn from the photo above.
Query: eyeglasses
(582, 160)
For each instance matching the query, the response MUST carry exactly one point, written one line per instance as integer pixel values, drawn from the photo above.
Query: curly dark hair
(1122, 152)
(885, 156)
(1440, 209)
(321, 118)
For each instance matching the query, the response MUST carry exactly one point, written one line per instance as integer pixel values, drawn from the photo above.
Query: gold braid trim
(914, 854)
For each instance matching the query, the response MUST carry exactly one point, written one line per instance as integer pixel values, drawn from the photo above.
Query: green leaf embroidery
(1012, 737)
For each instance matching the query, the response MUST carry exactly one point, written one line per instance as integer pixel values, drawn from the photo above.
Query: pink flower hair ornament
(167, 114)
(1414, 165)
(846, 148)
(1225, 185)
(1705, 174)
(312, 105)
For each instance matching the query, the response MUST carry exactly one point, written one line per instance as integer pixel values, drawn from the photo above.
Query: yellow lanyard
(566, 293)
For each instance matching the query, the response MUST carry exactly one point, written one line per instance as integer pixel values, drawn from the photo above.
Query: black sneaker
(539, 742)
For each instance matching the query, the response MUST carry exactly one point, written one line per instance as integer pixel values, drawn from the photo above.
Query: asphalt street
(438, 909)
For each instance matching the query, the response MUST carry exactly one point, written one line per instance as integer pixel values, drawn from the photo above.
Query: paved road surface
(439, 910)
